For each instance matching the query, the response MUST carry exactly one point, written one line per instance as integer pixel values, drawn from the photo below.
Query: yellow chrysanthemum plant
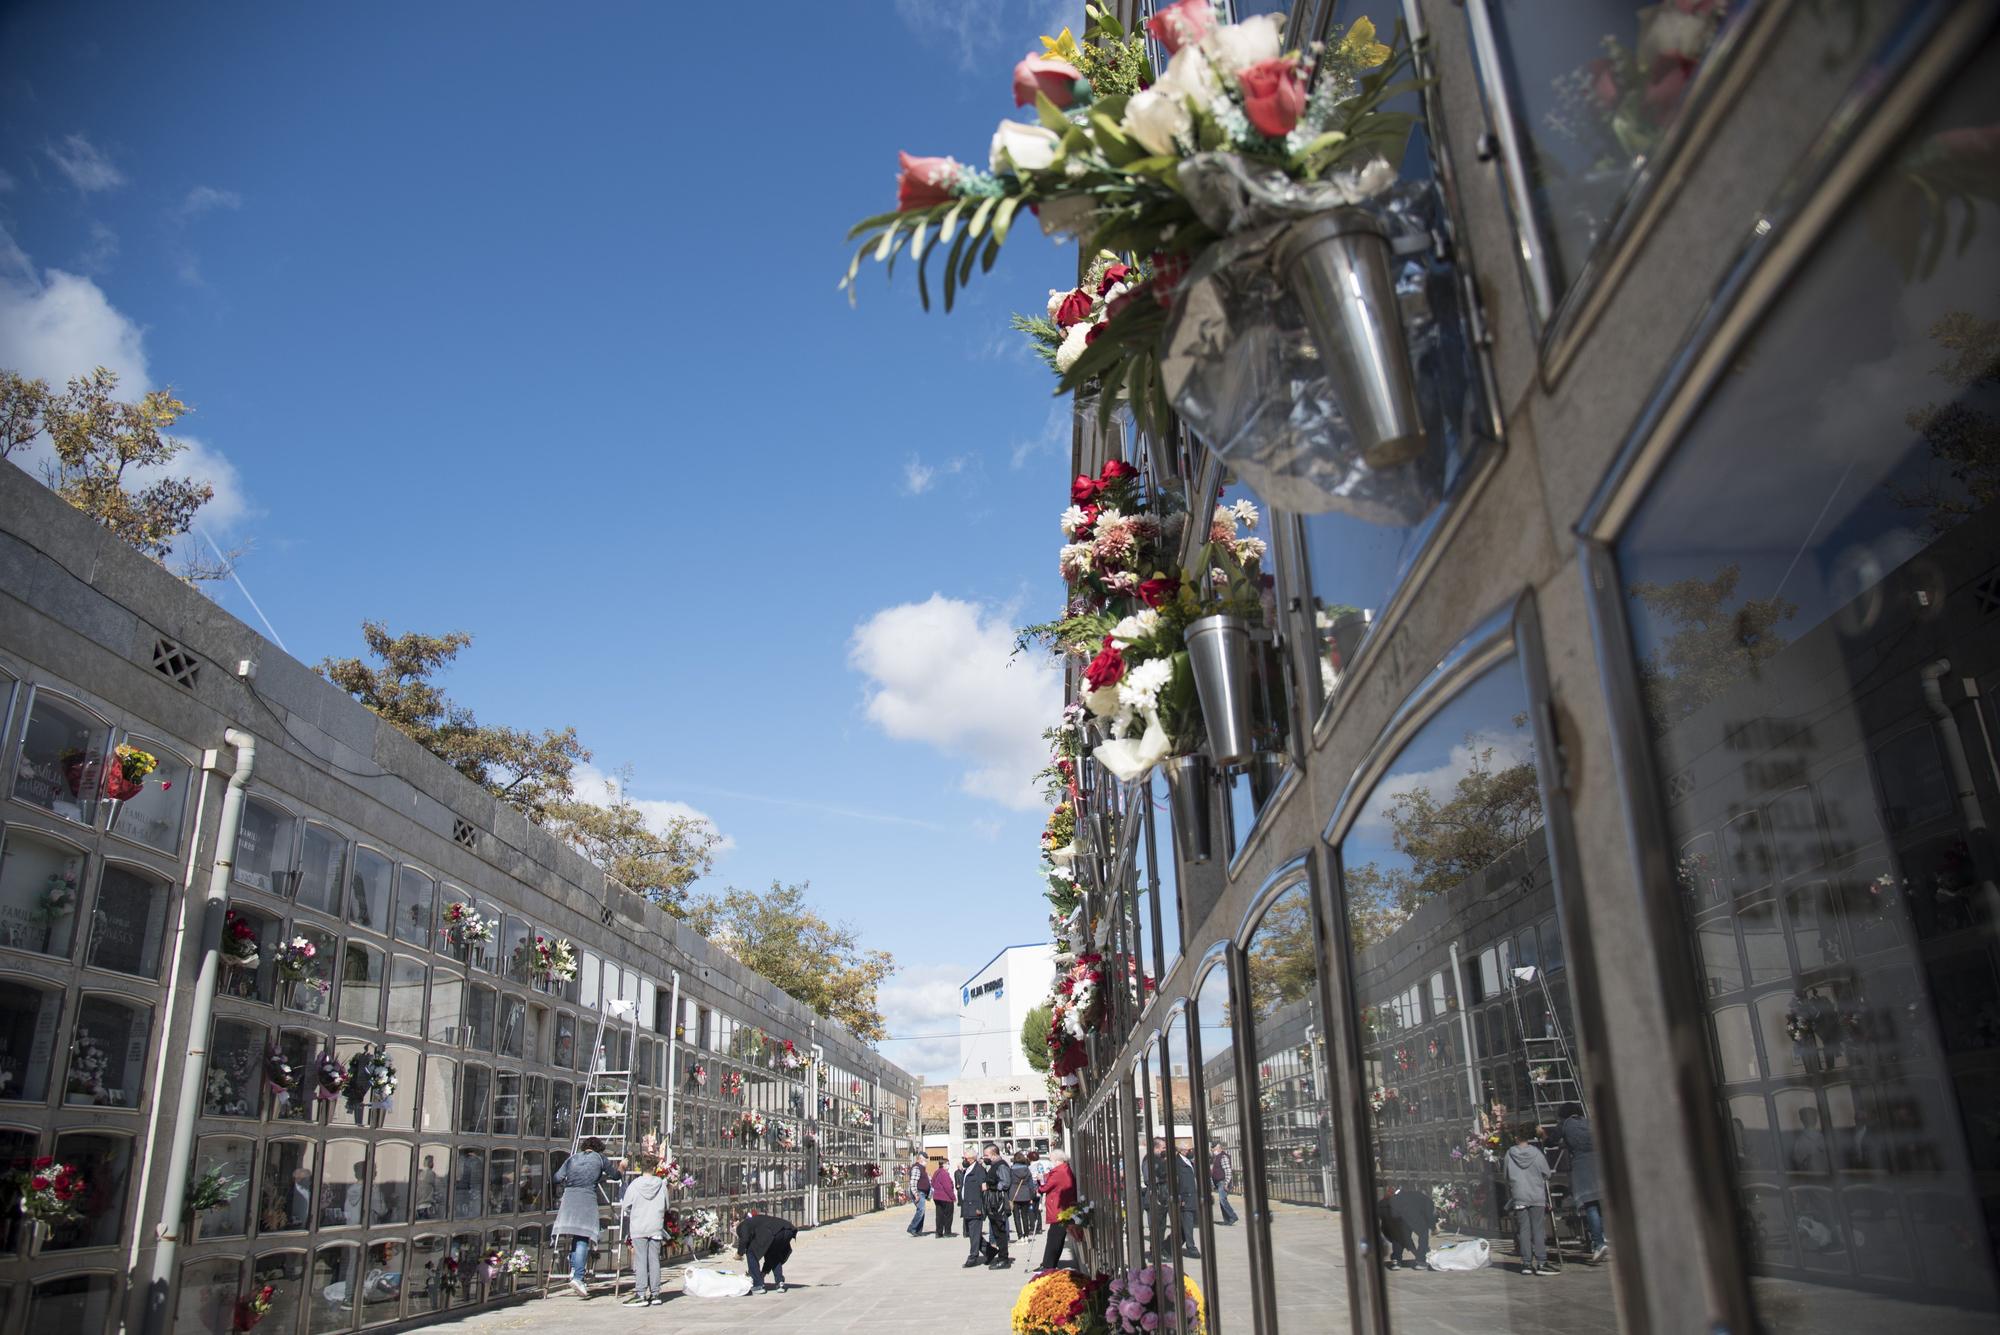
(1067, 1302)
(1129, 162)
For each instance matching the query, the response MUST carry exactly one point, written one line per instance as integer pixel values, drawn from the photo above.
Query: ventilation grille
(1987, 592)
(176, 664)
(464, 833)
(1680, 786)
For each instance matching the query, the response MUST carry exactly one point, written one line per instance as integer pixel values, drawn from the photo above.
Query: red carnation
(44, 1161)
(1153, 592)
(1113, 276)
(1084, 490)
(1075, 309)
(1107, 669)
(1090, 513)
(39, 1183)
(1091, 337)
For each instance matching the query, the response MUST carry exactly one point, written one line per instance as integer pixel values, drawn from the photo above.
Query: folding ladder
(604, 1110)
(1552, 1078)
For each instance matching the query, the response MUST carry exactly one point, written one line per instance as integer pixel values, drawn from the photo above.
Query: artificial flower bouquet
(465, 925)
(547, 959)
(330, 1077)
(298, 962)
(1160, 167)
(126, 775)
(732, 1084)
(520, 1261)
(58, 898)
(281, 1077)
(213, 1190)
(252, 1310)
(751, 1125)
(239, 941)
(789, 1057)
(371, 1079)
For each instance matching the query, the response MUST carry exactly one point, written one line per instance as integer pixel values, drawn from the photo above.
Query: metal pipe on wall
(200, 1010)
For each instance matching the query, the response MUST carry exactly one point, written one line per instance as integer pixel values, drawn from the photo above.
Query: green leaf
(971, 254)
(888, 243)
(951, 268)
(982, 213)
(990, 254)
(922, 258)
(1004, 216)
(1050, 114)
(950, 223)
(875, 221)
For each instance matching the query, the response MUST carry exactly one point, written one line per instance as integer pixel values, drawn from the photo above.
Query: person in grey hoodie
(644, 1208)
(1527, 1170)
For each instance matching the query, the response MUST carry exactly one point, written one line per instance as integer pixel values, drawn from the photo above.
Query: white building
(992, 1006)
(1011, 1112)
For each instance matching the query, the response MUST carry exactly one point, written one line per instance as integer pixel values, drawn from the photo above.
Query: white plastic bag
(1473, 1254)
(699, 1282)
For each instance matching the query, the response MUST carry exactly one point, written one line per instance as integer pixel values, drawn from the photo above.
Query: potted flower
(211, 1191)
(49, 1196)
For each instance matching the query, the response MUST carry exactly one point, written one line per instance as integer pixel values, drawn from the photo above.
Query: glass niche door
(1807, 594)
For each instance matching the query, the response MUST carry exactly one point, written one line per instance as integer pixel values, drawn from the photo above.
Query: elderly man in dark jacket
(767, 1241)
(983, 1201)
(1405, 1217)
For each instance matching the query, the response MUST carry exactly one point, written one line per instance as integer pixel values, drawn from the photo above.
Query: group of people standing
(995, 1198)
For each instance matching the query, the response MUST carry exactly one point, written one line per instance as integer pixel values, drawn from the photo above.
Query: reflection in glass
(1817, 661)
(128, 921)
(428, 1195)
(331, 1292)
(311, 993)
(361, 985)
(61, 763)
(424, 1276)
(75, 1302)
(105, 1164)
(233, 1085)
(1301, 1181)
(345, 1172)
(406, 996)
(320, 856)
(285, 1188)
(41, 889)
(381, 1281)
(368, 890)
(1596, 85)
(208, 1293)
(264, 848)
(230, 1158)
(415, 893)
(28, 1019)
(107, 1053)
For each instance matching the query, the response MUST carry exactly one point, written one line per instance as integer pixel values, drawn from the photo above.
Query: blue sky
(521, 320)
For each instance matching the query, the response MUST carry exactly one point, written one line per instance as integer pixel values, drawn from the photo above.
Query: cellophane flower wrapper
(1241, 368)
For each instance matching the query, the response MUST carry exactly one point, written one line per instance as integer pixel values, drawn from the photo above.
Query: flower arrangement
(1123, 159)
(546, 959)
(87, 1067)
(1081, 991)
(860, 1118)
(371, 1078)
(698, 1076)
(330, 1077)
(1077, 316)
(706, 1226)
(298, 962)
(1130, 1297)
(239, 941)
(751, 1125)
(829, 1172)
(520, 1261)
(49, 1191)
(609, 1106)
(1800, 1022)
(783, 1136)
(732, 1084)
(854, 1088)
(465, 925)
(1883, 893)
(1078, 1215)
(789, 1057)
(58, 899)
(213, 1190)
(1054, 1303)
(253, 1309)
(1059, 835)
(874, 1171)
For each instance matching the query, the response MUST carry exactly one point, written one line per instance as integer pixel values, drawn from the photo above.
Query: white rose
(1102, 702)
(1072, 520)
(1072, 345)
(1154, 118)
(1670, 32)
(1188, 77)
(1057, 295)
(1028, 148)
(1240, 45)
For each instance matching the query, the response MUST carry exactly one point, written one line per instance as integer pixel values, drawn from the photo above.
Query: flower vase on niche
(1219, 657)
(1187, 789)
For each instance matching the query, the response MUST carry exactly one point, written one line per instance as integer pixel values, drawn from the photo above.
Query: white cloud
(1055, 438)
(1508, 748)
(918, 477)
(923, 999)
(594, 785)
(84, 164)
(56, 325)
(206, 199)
(978, 31)
(6, 182)
(103, 248)
(943, 672)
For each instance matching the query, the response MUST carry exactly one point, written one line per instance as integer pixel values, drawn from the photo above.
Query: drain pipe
(201, 1009)
(673, 1062)
(1978, 836)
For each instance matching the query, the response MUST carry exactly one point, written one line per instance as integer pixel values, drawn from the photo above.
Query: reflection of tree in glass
(1713, 647)
(1490, 811)
(1283, 964)
(1963, 440)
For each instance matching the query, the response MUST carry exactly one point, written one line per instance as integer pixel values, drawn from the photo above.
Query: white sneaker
(576, 1286)
(1598, 1255)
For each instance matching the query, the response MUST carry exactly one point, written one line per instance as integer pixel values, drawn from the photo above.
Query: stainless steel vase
(1219, 655)
(1338, 267)
(1187, 792)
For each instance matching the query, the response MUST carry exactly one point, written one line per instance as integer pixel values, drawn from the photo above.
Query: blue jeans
(1222, 1199)
(917, 1220)
(1593, 1223)
(579, 1259)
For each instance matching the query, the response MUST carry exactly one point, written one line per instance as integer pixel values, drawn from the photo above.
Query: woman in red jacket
(1058, 1194)
(944, 1194)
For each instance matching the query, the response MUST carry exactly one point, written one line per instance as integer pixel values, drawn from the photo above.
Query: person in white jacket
(643, 1208)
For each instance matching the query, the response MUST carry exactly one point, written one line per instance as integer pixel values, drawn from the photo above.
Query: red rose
(925, 181)
(1666, 85)
(44, 1161)
(1156, 591)
(1054, 79)
(39, 1183)
(1273, 95)
(1115, 469)
(1116, 306)
(1090, 513)
(1075, 309)
(1084, 490)
(1091, 337)
(1182, 24)
(1113, 276)
(1107, 668)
